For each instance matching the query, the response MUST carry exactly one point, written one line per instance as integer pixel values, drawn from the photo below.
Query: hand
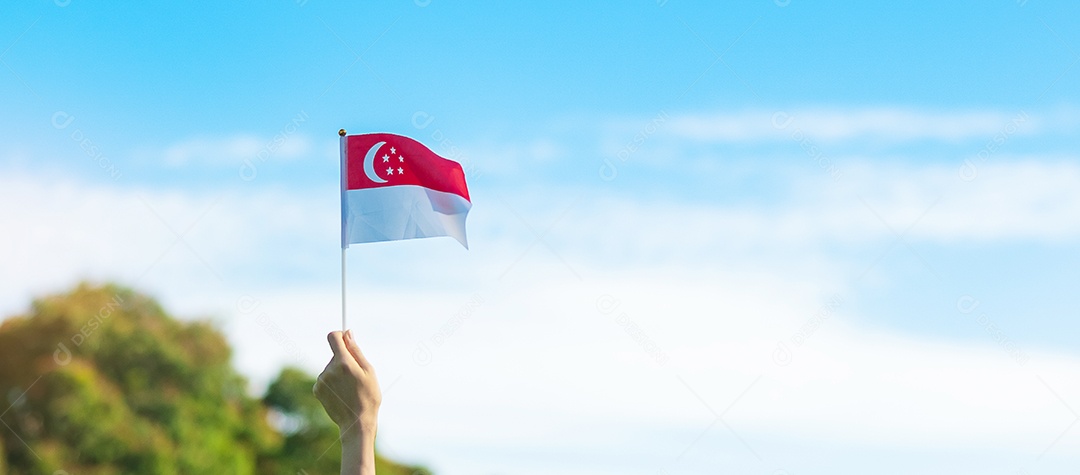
(347, 387)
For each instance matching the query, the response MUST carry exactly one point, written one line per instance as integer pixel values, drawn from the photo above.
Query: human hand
(347, 387)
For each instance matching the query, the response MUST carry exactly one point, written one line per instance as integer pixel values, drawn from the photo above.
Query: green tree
(102, 381)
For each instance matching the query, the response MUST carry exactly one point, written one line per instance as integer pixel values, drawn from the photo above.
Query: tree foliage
(101, 381)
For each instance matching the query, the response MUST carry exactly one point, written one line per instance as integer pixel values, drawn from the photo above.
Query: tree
(102, 381)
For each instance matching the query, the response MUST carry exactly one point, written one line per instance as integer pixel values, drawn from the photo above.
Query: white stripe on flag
(403, 212)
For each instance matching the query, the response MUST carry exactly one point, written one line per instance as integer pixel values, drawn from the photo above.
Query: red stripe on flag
(381, 160)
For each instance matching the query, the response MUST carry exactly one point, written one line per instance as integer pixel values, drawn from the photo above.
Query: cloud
(69, 228)
(888, 124)
(818, 219)
(625, 322)
(540, 359)
(232, 150)
(150, 237)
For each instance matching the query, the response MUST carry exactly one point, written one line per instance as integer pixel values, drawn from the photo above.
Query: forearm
(349, 392)
(358, 450)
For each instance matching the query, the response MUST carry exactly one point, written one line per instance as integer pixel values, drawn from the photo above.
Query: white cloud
(232, 150)
(541, 367)
(890, 124)
(1009, 199)
(537, 370)
(66, 229)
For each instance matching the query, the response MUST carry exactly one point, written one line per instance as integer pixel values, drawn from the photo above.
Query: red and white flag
(393, 187)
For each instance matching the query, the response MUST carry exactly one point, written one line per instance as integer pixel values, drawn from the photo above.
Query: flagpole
(343, 327)
(344, 244)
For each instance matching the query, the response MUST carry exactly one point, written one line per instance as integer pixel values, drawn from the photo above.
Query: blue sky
(666, 194)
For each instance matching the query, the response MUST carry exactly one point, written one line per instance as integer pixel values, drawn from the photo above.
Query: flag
(393, 187)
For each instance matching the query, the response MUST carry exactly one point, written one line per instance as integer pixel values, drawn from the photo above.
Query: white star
(392, 150)
(385, 158)
(400, 171)
(389, 171)
(401, 158)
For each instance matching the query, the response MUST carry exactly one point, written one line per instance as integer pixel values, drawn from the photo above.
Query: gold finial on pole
(341, 132)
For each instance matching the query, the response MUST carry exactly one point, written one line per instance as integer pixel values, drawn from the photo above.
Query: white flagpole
(344, 245)
(343, 327)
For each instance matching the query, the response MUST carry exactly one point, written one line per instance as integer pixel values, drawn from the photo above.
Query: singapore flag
(393, 187)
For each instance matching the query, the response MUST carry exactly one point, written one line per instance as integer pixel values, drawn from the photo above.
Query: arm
(349, 392)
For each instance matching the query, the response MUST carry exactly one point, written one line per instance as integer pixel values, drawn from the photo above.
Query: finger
(354, 349)
(337, 343)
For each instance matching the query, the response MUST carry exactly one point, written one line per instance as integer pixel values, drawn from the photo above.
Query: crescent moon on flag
(369, 163)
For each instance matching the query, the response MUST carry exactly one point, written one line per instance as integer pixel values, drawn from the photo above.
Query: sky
(779, 237)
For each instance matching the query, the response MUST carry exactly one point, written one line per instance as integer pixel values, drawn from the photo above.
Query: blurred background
(776, 237)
